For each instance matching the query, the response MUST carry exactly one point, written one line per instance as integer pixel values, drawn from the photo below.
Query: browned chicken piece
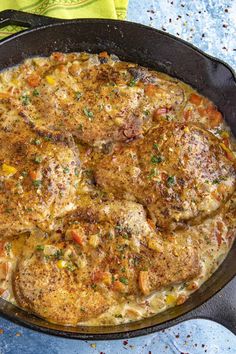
(38, 177)
(103, 254)
(97, 103)
(179, 172)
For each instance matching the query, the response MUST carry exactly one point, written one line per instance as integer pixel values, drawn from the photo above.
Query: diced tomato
(216, 119)
(33, 80)
(195, 99)
(76, 237)
(150, 90)
(103, 55)
(118, 286)
(151, 223)
(57, 56)
(33, 175)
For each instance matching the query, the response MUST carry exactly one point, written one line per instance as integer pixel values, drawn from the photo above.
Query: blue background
(211, 26)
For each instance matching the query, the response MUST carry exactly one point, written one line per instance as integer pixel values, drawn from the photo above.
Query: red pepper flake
(125, 342)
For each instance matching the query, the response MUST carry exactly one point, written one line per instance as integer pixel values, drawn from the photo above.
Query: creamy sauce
(213, 236)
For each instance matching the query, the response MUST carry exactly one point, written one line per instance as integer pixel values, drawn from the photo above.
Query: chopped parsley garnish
(39, 247)
(78, 95)
(119, 316)
(36, 141)
(156, 159)
(71, 267)
(8, 248)
(24, 173)
(146, 112)
(25, 99)
(38, 159)
(76, 172)
(35, 92)
(66, 170)
(88, 113)
(132, 83)
(80, 127)
(37, 182)
(152, 173)
(170, 180)
(216, 181)
(123, 280)
(47, 138)
(93, 286)
(58, 254)
(155, 146)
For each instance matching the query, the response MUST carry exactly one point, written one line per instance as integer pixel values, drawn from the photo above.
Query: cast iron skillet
(155, 49)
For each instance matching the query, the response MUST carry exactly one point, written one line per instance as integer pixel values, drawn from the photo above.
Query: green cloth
(68, 9)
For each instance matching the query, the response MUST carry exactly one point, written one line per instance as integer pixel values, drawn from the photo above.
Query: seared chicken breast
(104, 254)
(38, 177)
(180, 172)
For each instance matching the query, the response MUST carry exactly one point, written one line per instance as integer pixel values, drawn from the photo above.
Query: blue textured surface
(211, 26)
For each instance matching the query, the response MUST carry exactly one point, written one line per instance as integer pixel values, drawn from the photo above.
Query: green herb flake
(37, 141)
(58, 254)
(88, 113)
(38, 159)
(37, 182)
(124, 280)
(93, 286)
(132, 83)
(170, 181)
(152, 173)
(25, 99)
(157, 159)
(66, 170)
(71, 267)
(216, 181)
(8, 248)
(76, 172)
(35, 93)
(118, 316)
(155, 146)
(146, 112)
(78, 95)
(39, 247)
(24, 173)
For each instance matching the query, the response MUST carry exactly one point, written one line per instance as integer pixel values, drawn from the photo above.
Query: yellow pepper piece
(155, 245)
(94, 240)
(61, 264)
(225, 147)
(170, 299)
(50, 80)
(9, 170)
(224, 134)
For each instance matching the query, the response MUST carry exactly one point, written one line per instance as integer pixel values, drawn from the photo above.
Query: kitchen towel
(68, 9)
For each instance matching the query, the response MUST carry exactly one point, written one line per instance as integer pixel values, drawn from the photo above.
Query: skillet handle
(24, 19)
(221, 308)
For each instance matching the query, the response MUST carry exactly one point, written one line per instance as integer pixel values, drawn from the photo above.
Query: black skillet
(216, 299)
